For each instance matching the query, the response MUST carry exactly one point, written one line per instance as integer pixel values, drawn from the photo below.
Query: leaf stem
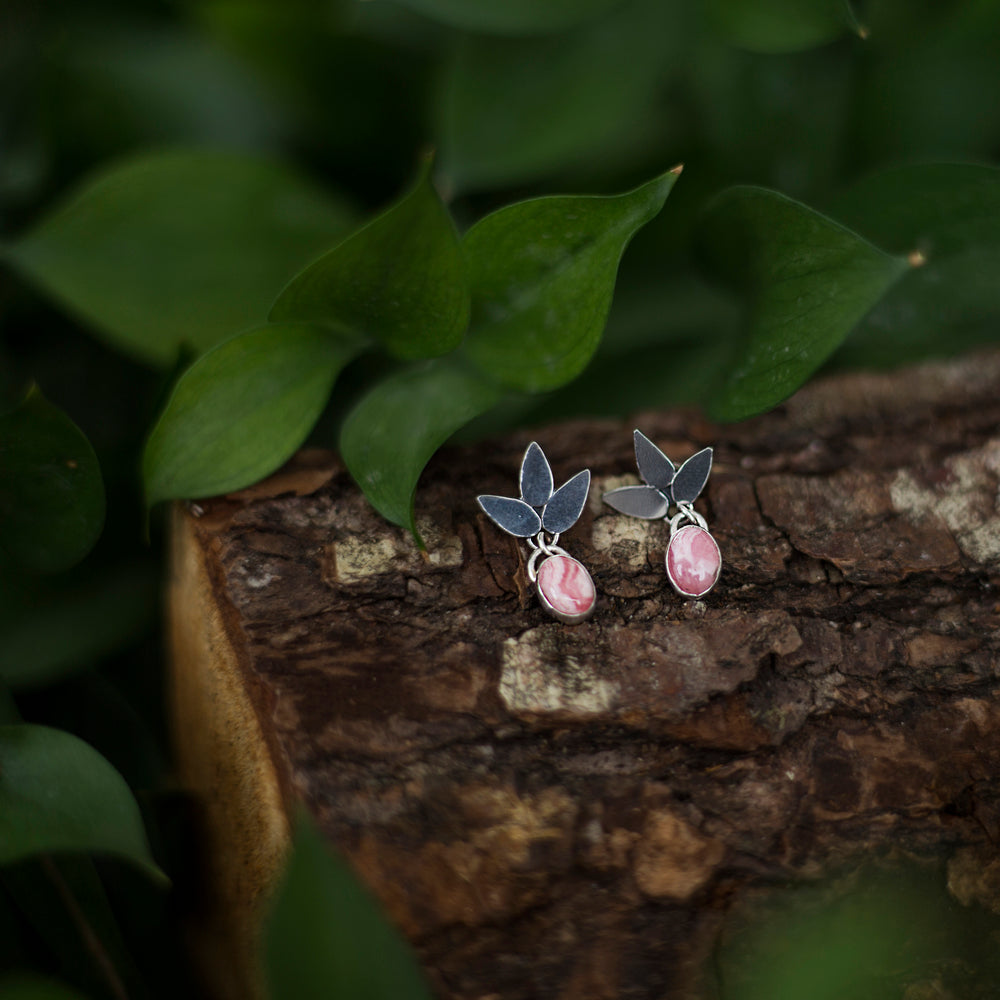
(90, 939)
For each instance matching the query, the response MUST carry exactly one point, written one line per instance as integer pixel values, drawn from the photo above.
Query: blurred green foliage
(221, 232)
(326, 930)
(880, 932)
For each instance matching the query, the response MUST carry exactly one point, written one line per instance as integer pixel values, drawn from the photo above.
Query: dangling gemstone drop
(566, 589)
(693, 561)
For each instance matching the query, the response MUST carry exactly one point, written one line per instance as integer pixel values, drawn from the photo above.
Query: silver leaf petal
(691, 477)
(566, 505)
(638, 501)
(536, 477)
(654, 467)
(513, 516)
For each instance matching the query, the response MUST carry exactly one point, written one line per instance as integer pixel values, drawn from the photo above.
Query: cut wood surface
(554, 811)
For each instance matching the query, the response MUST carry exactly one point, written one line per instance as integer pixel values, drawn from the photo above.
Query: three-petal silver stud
(666, 485)
(540, 508)
(693, 561)
(540, 515)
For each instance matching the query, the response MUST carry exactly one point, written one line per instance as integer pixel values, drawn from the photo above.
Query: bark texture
(552, 811)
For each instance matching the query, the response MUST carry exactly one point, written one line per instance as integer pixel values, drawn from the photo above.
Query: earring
(693, 560)
(564, 586)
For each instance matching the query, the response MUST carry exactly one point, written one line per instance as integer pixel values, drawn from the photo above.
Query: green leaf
(667, 375)
(781, 121)
(664, 345)
(241, 410)
(807, 282)
(179, 248)
(25, 986)
(543, 274)
(326, 936)
(940, 209)
(513, 17)
(59, 794)
(311, 55)
(926, 84)
(390, 435)
(155, 84)
(872, 934)
(950, 215)
(512, 110)
(51, 492)
(57, 631)
(653, 309)
(782, 25)
(400, 280)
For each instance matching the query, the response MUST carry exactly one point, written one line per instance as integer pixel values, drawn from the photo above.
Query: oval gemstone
(693, 561)
(566, 589)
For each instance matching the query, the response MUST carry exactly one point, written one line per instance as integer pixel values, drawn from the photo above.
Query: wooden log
(569, 811)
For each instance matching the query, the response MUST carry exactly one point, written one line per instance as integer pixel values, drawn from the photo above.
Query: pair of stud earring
(543, 513)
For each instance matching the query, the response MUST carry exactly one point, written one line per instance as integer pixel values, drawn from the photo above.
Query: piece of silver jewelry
(693, 560)
(541, 515)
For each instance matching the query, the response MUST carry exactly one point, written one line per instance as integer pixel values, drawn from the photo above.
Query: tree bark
(570, 811)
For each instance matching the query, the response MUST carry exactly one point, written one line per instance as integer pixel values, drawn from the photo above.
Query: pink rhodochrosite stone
(566, 588)
(693, 561)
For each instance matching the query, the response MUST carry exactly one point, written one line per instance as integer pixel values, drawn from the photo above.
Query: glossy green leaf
(782, 25)
(59, 794)
(392, 432)
(511, 17)
(512, 110)
(950, 215)
(399, 280)
(326, 936)
(51, 492)
(179, 248)
(17, 986)
(543, 274)
(58, 630)
(807, 281)
(242, 409)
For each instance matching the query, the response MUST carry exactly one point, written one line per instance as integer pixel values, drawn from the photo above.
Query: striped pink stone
(693, 561)
(566, 588)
